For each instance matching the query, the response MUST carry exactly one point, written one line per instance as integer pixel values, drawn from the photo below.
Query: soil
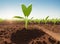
(13, 32)
(25, 36)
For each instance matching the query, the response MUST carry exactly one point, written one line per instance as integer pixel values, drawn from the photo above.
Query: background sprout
(1, 20)
(26, 11)
(46, 19)
(54, 20)
(37, 20)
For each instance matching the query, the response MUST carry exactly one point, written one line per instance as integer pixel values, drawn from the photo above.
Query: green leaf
(18, 17)
(46, 17)
(26, 10)
(32, 17)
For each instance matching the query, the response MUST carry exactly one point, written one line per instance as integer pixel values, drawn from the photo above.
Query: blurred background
(40, 8)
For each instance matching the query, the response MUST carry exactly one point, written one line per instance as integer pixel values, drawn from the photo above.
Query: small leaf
(47, 17)
(18, 17)
(26, 10)
(32, 17)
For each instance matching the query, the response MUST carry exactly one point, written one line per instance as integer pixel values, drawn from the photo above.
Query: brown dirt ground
(9, 27)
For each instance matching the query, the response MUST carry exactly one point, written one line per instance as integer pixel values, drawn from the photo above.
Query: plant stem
(26, 22)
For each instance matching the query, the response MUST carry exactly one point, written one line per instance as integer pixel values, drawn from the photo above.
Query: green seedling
(30, 20)
(46, 19)
(42, 21)
(1, 20)
(26, 11)
(37, 20)
(55, 20)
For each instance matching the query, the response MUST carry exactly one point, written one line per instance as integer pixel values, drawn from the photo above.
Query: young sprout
(37, 21)
(1, 20)
(54, 21)
(26, 11)
(46, 19)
